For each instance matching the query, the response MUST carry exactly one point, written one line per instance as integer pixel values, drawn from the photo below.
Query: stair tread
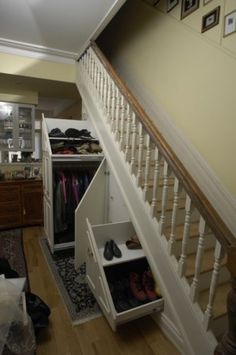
(207, 262)
(219, 306)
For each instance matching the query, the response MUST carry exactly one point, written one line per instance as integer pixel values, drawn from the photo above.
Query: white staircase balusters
(157, 159)
(109, 98)
(194, 291)
(219, 254)
(140, 153)
(177, 190)
(128, 132)
(122, 122)
(166, 174)
(113, 105)
(105, 90)
(133, 143)
(117, 114)
(182, 260)
(101, 83)
(147, 167)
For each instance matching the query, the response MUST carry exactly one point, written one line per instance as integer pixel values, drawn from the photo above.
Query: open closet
(71, 157)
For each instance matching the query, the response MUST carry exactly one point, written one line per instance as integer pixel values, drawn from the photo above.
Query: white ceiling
(61, 27)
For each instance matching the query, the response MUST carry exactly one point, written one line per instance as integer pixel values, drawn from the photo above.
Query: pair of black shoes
(111, 249)
(122, 296)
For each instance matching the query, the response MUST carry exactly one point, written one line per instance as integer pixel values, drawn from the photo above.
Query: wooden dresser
(21, 203)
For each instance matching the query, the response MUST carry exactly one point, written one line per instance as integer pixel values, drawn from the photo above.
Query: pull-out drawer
(102, 275)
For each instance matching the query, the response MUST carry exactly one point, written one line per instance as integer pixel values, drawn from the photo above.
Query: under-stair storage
(123, 286)
(71, 157)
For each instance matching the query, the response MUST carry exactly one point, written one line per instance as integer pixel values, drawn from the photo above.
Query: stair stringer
(186, 316)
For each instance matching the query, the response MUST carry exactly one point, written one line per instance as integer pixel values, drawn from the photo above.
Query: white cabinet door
(92, 206)
(48, 222)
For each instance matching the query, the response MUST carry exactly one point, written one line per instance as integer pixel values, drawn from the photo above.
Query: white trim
(35, 51)
(216, 192)
(169, 329)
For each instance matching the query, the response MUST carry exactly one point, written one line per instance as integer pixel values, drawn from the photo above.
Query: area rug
(11, 248)
(72, 284)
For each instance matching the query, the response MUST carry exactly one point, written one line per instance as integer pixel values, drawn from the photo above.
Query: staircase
(184, 239)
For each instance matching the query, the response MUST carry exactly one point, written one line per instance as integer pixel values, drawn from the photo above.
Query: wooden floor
(140, 337)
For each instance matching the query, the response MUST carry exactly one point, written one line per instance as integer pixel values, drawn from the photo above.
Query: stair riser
(193, 244)
(170, 194)
(205, 278)
(180, 218)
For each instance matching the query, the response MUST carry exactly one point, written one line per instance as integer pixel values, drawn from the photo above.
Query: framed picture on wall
(188, 6)
(205, 2)
(211, 19)
(171, 4)
(230, 23)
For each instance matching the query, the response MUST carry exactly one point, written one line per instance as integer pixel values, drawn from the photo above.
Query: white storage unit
(101, 216)
(54, 162)
(101, 273)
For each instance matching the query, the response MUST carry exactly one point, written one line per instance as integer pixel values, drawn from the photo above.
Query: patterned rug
(72, 284)
(11, 248)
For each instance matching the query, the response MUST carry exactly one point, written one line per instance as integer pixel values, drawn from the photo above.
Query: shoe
(149, 285)
(108, 252)
(133, 243)
(115, 250)
(118, 293)
(111, 249)
(136, 287)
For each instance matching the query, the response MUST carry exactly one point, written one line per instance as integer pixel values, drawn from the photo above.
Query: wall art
(211, 19)
(171, 4)
(188, 6)
(230, 23)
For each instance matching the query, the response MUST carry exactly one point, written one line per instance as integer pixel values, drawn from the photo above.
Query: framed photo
(188, 6)
(205, 2)
(211, 19)
(171, 4)
(230, 23)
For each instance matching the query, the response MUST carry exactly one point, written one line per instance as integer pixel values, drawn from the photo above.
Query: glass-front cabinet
(16, 127)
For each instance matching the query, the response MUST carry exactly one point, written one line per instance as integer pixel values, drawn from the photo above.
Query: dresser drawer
(10, 194)
(10, 208)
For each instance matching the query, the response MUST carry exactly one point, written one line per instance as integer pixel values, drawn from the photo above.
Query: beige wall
(191, 75)
(32, 67)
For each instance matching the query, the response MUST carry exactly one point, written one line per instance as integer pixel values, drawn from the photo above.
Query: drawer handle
(24, 212)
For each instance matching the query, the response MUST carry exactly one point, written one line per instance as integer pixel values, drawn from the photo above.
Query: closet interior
(71, 157)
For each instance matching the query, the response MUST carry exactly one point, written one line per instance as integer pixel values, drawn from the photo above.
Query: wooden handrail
(200, 201)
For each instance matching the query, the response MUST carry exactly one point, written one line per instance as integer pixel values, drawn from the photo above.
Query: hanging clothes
(69, 188)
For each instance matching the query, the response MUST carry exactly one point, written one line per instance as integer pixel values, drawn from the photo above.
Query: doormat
(11, 249)
(72, 285)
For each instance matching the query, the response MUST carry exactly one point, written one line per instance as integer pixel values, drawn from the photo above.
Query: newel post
(227, 346)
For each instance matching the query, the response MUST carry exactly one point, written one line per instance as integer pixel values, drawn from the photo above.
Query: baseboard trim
(169, 330)
(207, 180)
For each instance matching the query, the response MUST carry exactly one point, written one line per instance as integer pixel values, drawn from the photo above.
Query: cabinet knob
(24, 212)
